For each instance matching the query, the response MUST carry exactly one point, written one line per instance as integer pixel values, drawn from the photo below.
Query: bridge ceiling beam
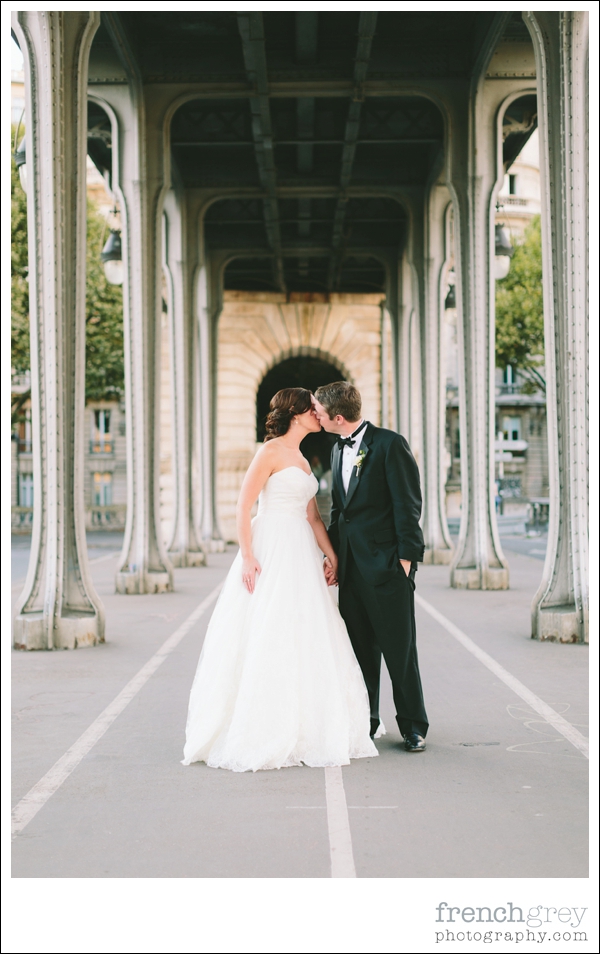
(304, 112)
(306, 34)
(252, 33)
(366, 32)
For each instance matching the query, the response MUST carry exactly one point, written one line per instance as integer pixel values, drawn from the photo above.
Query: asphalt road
(498, 793)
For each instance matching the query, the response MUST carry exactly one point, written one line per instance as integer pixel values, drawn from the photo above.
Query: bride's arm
(321, 535)
(256, 477)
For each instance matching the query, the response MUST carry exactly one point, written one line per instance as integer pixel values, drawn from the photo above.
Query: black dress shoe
(413, 742)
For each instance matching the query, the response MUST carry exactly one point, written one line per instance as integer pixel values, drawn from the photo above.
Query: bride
(278, 683)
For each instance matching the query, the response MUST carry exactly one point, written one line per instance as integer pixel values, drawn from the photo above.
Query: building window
(25, 433)
(512, 185)
(102, 489)
(511, 428)
(101, 442)
(25, 490)
(457, 444)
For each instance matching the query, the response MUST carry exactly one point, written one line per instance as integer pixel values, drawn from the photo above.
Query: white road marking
(549, 714)
(36, 797)
(340, 840)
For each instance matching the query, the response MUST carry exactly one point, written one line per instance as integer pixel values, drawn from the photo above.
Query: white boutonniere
(359, 461)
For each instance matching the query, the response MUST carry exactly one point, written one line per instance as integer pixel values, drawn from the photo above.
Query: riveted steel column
(183, 548)
(58, 608)
(438, 545)
(560, 40)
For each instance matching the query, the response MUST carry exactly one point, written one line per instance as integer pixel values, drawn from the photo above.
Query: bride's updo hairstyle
(283, 408)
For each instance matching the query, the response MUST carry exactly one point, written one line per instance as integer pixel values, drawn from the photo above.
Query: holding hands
(330, 565)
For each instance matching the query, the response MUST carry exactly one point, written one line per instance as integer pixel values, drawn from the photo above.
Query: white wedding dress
(278, 683)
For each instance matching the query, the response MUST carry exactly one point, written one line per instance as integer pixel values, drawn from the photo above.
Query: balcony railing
(509, 450)
(111, 517)
(21, 519)
(104, 445)
(24, 447)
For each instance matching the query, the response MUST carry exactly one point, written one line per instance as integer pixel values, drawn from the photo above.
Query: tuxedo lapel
(356, 475)
(336, 467)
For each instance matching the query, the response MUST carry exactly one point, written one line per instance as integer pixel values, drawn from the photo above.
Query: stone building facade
(256, 332)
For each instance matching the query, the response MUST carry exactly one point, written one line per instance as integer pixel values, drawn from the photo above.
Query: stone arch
(257, 331)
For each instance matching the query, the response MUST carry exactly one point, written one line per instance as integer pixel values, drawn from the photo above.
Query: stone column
(183, 548)
(58, 608)
(438, 545)
(560, 40)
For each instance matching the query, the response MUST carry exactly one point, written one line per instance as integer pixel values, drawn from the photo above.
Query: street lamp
(21, 164)
(112, 258)
(503, 252)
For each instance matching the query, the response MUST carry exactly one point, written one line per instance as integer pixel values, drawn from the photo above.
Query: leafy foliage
(19, 287)
(104, 359)
(520, 312)
(104, 371)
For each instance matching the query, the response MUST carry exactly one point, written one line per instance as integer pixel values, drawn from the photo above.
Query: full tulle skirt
(278, 683)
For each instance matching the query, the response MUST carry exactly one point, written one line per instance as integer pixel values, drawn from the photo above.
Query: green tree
(19, 287)
(520, 312)
(104, 371)
(104, 359)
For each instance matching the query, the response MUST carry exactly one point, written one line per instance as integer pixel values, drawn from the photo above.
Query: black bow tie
(349, 441)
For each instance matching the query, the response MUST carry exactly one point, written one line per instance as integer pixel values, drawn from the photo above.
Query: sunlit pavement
(498, 793)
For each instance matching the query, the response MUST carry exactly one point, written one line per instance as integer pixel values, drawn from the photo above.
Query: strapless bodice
(287, 491)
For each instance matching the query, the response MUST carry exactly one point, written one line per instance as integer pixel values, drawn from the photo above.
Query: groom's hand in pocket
(406, 566)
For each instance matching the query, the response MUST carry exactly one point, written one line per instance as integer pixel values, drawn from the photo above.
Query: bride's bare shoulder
(268, 454)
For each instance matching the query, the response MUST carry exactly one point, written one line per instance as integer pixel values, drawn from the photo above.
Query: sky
(16, 57)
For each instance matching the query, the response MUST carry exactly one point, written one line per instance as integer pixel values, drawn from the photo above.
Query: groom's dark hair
(341, 397)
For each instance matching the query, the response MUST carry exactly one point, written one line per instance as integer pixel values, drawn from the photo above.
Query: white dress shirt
(349, 455)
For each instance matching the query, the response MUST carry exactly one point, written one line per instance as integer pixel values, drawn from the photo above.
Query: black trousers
(381, 620)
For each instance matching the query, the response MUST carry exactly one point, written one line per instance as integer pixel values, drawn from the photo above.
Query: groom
(375, 532)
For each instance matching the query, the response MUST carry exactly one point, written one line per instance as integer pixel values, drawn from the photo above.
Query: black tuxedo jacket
(378, 519)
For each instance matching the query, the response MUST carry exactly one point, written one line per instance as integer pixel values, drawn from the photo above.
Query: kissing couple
(286, 676)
